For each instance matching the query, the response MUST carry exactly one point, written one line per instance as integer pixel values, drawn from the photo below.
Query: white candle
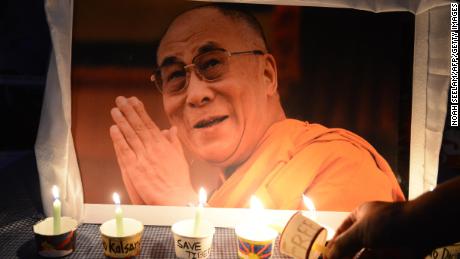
(56, 210)
(256, 204)
(118, 214)
(257, 209)
(202, 198)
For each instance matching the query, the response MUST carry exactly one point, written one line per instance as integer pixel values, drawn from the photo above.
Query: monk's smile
(210, 121)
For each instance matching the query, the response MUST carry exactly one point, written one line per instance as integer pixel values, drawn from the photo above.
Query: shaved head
(241, 15)
(251, 29)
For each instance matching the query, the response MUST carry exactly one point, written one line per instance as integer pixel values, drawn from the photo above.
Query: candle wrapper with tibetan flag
(255, 242)
(255, 238)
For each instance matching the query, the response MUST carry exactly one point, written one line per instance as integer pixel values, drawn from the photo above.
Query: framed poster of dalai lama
(241, 99)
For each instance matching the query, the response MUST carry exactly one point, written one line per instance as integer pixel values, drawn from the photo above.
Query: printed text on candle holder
(119, 247)
(306, 232)
(193, 249)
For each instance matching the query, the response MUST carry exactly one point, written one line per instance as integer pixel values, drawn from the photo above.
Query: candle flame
(116, 198)
(55, 191)
(310, 206)
(256, 204)
(309, 203)
(330, 233)
(202, 196)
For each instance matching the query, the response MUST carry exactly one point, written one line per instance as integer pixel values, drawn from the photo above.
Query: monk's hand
(152, 162)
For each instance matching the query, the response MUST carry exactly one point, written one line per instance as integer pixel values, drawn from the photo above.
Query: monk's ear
(270, 74)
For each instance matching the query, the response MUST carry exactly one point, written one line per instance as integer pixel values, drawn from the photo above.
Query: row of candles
(255, 226)
(119, 211)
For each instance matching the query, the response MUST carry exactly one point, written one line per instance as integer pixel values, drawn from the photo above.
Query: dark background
(24, 55)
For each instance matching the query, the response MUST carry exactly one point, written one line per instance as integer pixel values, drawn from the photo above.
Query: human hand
(374, 230)
(152, 162)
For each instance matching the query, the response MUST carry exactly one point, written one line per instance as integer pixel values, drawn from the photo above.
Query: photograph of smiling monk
(219, 86)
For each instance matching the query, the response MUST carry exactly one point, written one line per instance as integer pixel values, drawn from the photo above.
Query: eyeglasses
(209, 66)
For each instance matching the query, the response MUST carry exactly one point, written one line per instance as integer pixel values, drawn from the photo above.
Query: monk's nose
(198, 91)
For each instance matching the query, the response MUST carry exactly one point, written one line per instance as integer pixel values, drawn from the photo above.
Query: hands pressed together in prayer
(152, 161)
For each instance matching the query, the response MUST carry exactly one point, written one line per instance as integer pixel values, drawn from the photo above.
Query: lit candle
(257, 209)
(256, 205)
(118, 214)
(330, 232)
(255, 237)
(56, 210)
(310, 206)
(258, 223)
(202, 199)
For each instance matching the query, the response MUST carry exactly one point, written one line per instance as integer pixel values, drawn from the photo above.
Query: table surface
(17, 241)
(20, 209)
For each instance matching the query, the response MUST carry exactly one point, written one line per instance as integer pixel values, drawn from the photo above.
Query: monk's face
(223, 120)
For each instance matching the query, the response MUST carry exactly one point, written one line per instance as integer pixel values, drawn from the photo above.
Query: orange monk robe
(337, 169)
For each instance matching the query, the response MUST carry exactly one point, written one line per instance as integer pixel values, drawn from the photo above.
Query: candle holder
(189, 243)
(50, 244)
(303, 238)
(125, 245)
(255, 241)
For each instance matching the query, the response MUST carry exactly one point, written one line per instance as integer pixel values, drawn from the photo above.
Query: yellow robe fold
(337, 169)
